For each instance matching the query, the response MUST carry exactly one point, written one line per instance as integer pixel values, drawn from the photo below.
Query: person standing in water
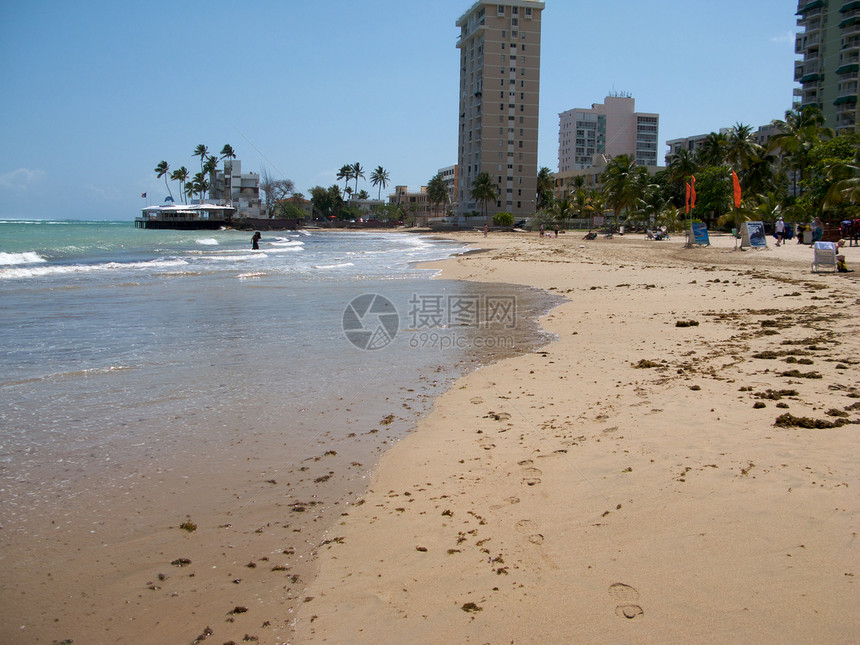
(255, 239)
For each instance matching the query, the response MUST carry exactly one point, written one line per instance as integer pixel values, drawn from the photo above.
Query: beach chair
(825, 256)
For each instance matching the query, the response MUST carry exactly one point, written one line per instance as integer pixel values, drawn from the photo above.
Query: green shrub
(503, 219)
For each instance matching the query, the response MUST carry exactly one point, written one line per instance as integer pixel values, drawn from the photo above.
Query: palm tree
(741, 148)
(561, 209)
(227, 152)
(437, 191)
(544, 187)
(800, 131)
(682, 164)
(623, 183)
(345, 173)
(582, 201)
(846, 187)
(180, 175)
(712, 150)
(161, 171)
(200, 184)
(357, 173)
(769, 206)
(200, 151)
(484, 190)
(652, 205)
(379, 177)
(597, 204)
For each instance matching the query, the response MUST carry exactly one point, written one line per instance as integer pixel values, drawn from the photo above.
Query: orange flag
(692, 191)
(737, 186)
(687, 199)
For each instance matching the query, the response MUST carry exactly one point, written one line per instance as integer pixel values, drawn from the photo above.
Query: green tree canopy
(484, 191)
(437, 191)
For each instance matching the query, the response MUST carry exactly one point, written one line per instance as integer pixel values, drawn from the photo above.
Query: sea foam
(28, 257)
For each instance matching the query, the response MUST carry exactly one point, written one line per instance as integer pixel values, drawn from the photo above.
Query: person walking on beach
(255, 239)
(486, 230)
(780, 231)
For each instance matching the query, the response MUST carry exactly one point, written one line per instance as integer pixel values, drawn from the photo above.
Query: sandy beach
(678, 465)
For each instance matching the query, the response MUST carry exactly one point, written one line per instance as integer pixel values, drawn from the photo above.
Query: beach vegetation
(161, 171)
(180, 175)
(437, 193)
(545, 184)
(484, 191)
(387, 212)
(357, 173)
(275, 191)
(379, 178)
(288, 209)
(624, 184)
(503, 219)
(188, 525)
(327, 202)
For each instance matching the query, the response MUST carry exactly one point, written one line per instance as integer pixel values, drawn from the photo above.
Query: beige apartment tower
(499, 87)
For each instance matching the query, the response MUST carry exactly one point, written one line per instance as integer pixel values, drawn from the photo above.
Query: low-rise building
(241, 191)
(449, 176)
(416, 204)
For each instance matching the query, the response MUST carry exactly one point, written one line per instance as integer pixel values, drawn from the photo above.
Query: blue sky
(95, 93)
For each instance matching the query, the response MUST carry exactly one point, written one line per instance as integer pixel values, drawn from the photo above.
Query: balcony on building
(810, 10)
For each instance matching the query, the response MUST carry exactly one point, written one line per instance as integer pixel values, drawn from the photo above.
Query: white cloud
(104, 193)
(21, 179)
(787, 37)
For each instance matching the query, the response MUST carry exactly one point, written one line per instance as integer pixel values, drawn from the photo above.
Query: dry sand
(629, 482)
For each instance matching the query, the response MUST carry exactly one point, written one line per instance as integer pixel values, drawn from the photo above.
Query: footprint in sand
(531, 476)
(486, 443)
(507, 500)
(526, 526)
(529, 527)
(626, 598)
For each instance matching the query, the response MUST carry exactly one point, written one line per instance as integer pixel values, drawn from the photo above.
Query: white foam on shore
(235, 257)
(35, 272)
(27, 257)
(342, 265)
(208, 241)
(284, 241)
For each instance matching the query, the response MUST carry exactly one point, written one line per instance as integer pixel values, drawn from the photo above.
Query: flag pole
(691, 205)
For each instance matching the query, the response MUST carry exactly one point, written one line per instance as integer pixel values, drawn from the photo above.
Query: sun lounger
(825, 256)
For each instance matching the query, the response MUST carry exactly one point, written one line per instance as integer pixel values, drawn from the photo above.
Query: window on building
(501, 11)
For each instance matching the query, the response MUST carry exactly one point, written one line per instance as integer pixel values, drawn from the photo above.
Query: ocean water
(122, 346)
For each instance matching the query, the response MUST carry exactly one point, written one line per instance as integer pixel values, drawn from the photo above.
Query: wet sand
(203, 536)
(678, 465)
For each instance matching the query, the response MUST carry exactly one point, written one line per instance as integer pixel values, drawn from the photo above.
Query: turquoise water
(120, 346)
